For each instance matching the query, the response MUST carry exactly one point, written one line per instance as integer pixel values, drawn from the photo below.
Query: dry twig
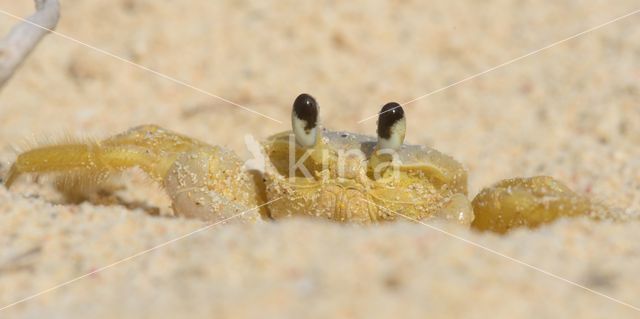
(22, 38)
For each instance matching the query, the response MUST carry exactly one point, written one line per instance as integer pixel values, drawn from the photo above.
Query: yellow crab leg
(89, 160)
(149, 147)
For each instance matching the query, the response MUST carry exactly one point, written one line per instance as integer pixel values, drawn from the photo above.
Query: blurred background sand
(570, 112)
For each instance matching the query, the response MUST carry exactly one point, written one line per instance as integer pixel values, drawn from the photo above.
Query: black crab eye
(305, 108)
(390, 114)
(304, 119)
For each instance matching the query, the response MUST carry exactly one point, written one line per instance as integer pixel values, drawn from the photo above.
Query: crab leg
(203, 181)
(91, 160)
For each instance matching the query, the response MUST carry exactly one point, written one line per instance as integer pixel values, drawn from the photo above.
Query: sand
(570, 111)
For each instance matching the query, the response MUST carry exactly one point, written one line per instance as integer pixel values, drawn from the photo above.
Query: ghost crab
(311, 171)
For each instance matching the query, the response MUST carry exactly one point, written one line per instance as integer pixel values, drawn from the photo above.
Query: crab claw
(206, 182)
(211, 184)
(528, 202)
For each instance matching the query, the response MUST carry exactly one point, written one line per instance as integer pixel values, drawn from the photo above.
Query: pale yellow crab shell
(422, 183)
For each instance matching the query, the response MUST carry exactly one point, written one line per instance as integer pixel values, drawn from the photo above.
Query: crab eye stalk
(391, 126)
(304, 120)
